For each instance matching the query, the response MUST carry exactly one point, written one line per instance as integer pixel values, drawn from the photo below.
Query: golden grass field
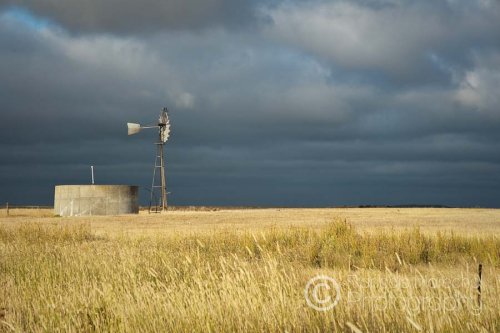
(397, 269)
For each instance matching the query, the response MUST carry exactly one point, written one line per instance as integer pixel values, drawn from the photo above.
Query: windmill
(158, 199)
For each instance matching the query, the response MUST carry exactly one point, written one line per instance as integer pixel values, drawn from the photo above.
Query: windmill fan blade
(163, 117)
(165, 133)
(133, 128)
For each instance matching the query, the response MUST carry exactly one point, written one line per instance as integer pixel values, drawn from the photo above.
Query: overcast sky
(273, 103)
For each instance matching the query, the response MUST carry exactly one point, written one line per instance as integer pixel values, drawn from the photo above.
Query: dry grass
(470, 221)
(238, 271)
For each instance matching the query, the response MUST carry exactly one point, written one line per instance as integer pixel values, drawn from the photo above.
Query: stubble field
(404, 270)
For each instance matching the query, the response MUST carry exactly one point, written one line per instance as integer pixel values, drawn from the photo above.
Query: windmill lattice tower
(158, 198)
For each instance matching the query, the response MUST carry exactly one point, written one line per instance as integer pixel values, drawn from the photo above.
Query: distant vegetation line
(223, 207)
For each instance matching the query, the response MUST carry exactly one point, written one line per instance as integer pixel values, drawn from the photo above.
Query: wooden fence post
(480, 273)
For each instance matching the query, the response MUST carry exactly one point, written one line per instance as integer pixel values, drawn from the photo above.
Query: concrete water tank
(85, 200)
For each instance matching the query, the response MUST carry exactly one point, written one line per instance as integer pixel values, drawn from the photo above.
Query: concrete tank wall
(82, 200)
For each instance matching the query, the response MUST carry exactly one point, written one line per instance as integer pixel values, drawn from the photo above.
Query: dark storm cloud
(409, 41)
(129, 16)
(260, 116)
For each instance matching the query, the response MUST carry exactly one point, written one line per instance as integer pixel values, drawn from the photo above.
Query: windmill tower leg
(163, 181)
(153, 200)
